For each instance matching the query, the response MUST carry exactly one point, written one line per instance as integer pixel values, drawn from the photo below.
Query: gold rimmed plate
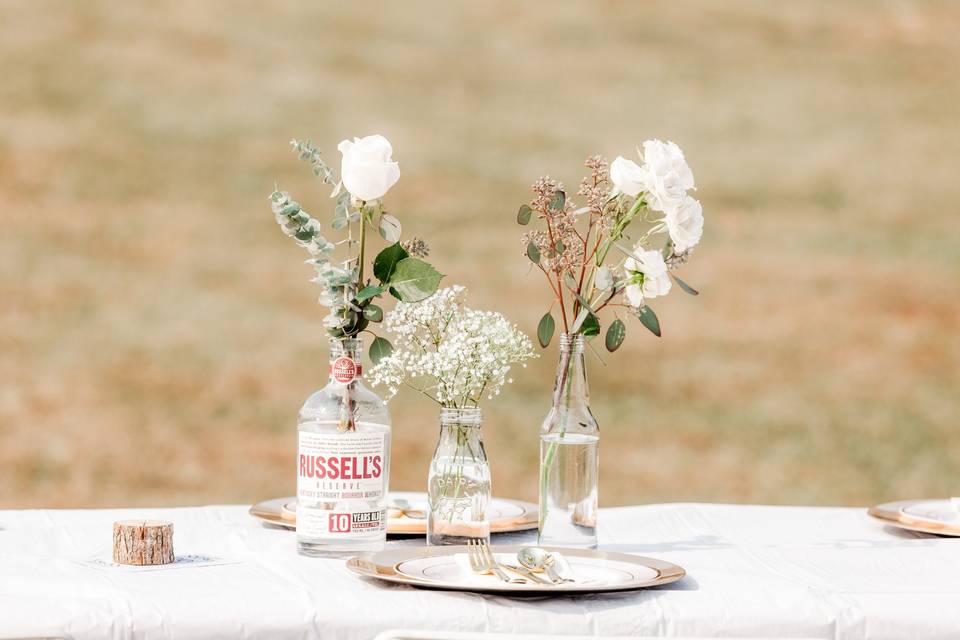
(447, 568)
(939, 517)
(406, 514)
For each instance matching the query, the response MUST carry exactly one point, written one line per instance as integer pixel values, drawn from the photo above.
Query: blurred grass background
(158, 334)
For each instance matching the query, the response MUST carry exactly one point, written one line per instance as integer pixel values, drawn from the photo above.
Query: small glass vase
(459, 481)
(569, 456)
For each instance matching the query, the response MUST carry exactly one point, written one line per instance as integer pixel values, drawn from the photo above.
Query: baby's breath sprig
(454, 355)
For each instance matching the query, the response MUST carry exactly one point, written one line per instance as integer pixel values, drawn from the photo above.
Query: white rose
(367, 169)
(627, 176)
(667, 175)
(656, 282)
(685, 224)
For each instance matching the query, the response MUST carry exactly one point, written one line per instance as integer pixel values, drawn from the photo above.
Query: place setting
(407, 514)
(937, 516)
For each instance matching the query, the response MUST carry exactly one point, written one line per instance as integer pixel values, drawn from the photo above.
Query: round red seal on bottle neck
(344, 370)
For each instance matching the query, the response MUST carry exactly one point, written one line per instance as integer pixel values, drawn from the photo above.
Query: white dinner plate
(447, 567)
(505, 515)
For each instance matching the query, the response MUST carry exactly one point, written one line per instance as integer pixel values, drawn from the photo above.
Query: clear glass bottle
(343, 461)
(459, 480)
(569, 456)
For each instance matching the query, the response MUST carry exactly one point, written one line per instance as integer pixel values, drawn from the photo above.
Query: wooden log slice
(142, 542)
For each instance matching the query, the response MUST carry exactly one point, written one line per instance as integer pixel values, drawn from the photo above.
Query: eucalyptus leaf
(533, 253)
(414, 280)
(559, 201)
(545, 329)
(373, 313)
(339, 223)
(686, 288)
(290, 209)
(523, 216)
(389, 228)
(616, 332)
(370, 291)
(559, 247)
(386, 261)
(649, 320)
(380, 349)
(305, 234)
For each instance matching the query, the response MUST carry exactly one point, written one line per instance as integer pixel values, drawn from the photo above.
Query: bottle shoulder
(570, 420)
(326, 404)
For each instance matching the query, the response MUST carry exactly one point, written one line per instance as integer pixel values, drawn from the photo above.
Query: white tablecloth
(752, 571)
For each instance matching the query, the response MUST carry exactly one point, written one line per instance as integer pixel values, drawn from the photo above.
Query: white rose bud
(685, 224)
(656, 282)
(627, 176)
(367, 170)
(667, 175)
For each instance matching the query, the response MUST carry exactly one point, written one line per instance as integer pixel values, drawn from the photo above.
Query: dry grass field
(158, 334)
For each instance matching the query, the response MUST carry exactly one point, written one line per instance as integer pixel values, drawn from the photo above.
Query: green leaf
(649, 320)
(370, 291)
(373, 313)
(545, 330)
(686, 288)
(559, 201)
(339, 223)
(591, 325)
(386, 261)
(523, 216)
(616, 332)
(380, 349)
(305, 234)
(414, 280)
(389, 228)
(559, 247)
(533, 253)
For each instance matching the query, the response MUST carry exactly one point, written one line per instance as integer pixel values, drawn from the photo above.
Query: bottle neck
(346, 360)
(467, 418)
(570, 389)
(460, 434)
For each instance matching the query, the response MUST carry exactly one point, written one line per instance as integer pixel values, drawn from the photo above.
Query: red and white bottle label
(341, 485)
(344, 370)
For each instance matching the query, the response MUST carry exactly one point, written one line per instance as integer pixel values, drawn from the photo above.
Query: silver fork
(482, 561)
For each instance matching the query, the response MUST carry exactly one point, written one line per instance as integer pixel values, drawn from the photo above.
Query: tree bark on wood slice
(142, 542)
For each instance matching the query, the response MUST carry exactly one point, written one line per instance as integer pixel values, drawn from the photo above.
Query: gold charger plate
(446, 568)
(896, 514)
(506, 516)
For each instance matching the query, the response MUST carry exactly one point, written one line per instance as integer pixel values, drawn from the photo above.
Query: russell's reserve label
(345, 370)
(340, 485)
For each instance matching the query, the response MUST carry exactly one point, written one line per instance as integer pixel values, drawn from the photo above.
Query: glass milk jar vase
(569, 456)
(343, 461)
(459, 480)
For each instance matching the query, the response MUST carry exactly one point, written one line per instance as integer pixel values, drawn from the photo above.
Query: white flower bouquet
(574, 247)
